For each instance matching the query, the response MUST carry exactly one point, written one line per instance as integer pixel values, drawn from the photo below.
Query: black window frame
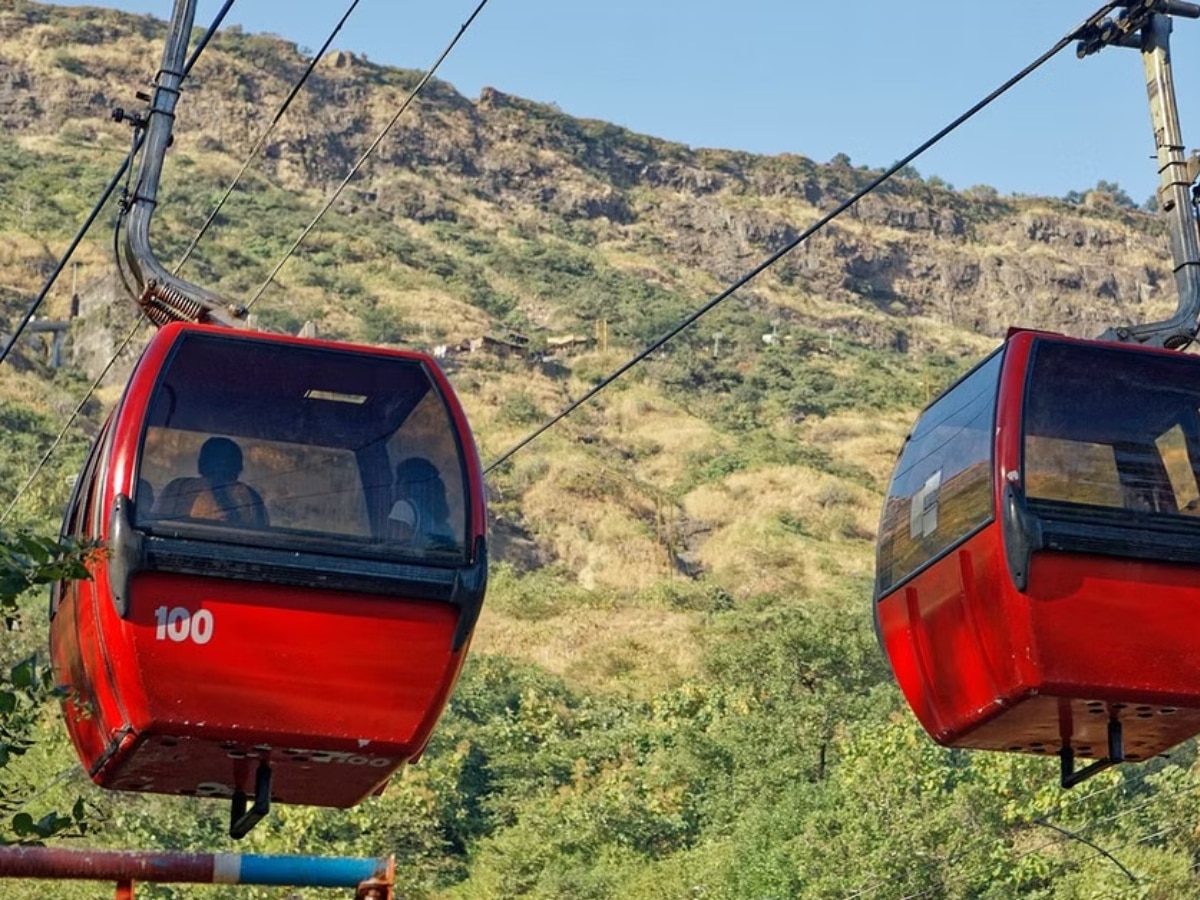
(1040, 523)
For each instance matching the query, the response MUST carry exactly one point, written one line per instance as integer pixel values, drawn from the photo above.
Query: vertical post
(185, 300)
(57, 336)
(74, 311)
(1146, 24)
(1175, 179)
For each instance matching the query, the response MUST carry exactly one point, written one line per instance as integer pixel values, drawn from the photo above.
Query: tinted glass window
(1113, 427)
(80, 520)
(941, 490)
(296, 442)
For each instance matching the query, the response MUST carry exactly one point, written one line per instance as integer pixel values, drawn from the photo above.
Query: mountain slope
(674, 690)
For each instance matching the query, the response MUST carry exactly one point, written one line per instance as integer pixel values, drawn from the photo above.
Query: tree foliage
(28, 561)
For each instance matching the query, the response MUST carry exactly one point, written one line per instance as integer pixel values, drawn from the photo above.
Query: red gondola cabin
(296, 561)
(1038, 578)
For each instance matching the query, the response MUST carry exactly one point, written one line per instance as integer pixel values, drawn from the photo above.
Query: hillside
(675, 688)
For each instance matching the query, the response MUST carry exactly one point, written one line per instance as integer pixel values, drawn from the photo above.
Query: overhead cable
(371, 149)
(138, 323)
(808, 232)
(262, 138)
(112, 185)
(116, 178)
(105, 196)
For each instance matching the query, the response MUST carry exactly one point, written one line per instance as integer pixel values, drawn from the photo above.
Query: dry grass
(663, 434)
(783, 530)
(869, 441)
(641, 650)
(600, 522)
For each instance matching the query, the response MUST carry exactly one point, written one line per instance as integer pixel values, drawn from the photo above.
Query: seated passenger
(216, 495)
(420, 514)
(145, 494)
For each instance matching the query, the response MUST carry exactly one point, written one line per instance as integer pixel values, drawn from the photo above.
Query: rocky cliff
(688, 220)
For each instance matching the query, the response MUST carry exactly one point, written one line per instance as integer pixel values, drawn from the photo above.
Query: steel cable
(262, 138)
(366, 154)
(807, 233)
(105, 196)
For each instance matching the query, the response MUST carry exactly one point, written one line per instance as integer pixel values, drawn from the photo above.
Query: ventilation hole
(170, 741)
(1167, 711)
(1099, 703)
(1133, 756)
(1016, 749)
(1145, 715)
(1038, 745)
(266, 748)
(1085, 749)
(236, 754)
(1120, 705)
(1098, 712)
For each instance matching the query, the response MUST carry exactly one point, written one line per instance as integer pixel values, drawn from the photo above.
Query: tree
(27, 561)
(1111, 189)
(1117, 193)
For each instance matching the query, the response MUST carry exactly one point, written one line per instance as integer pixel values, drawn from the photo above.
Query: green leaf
(50, 823)
(22, 824)
(23, 673)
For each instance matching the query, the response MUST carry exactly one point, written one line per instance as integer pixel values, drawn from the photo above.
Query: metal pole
(127, 866)
(1175, 180)
(1176, 172)
(147, 270)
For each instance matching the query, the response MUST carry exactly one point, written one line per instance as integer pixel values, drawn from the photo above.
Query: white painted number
(178, 624)
(202, 626)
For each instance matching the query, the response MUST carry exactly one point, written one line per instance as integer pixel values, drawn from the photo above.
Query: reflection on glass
(942, 487)
(280, 439)
(1110, 428)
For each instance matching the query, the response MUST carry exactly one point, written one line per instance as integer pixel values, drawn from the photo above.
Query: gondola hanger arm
(162, 296)
(1146, 25)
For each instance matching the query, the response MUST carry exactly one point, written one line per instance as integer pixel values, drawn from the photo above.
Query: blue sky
(870, 78)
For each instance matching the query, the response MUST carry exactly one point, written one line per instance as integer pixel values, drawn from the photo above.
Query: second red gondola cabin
(1038, 578)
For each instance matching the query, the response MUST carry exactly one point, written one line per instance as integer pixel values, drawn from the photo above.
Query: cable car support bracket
(163, 296)
(1146, 26)
(1116, 754)
(244, 815)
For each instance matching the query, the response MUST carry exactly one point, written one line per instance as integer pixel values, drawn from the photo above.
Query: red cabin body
(1038, 580)
(275, 593)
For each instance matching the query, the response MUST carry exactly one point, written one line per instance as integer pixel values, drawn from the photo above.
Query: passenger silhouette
(145, 494)
(217, 495)
(420, 514)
